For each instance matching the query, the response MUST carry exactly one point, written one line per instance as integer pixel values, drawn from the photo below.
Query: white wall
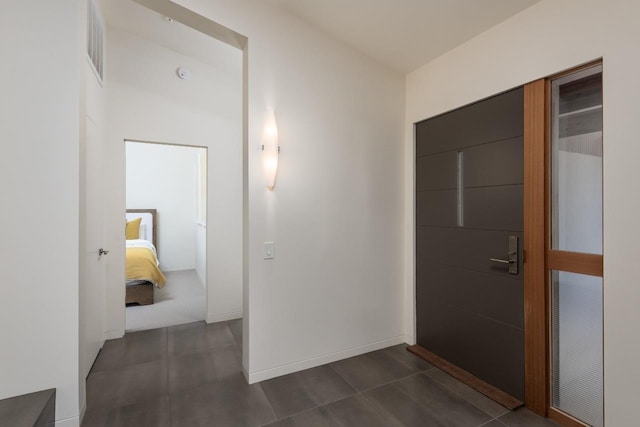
(549, 37)
(336, 215)
(163, 177)
(201, 257)
(39, 170)
(148, 102)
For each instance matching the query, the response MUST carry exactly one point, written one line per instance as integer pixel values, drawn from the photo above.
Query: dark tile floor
(191, 375)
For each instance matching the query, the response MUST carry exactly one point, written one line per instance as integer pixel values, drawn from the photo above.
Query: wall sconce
(270, 150)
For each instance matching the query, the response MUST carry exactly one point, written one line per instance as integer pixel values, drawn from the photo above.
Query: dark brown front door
(469, 204)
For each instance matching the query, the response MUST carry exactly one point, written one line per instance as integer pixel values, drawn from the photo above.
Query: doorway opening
(169, 82)
(547, 186)
(166, 188)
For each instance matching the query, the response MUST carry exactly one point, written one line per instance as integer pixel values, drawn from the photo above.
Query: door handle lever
(512, 256)
(102, 252)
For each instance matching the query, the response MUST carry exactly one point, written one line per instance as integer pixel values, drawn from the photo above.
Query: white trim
(83, 409)
(321, 360)
(410, 339)
(245, 373)
(112, 335)
(215, 318)
(69, 422)
(95, 72)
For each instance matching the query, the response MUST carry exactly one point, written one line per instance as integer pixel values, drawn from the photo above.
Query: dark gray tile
(304, 390)
(375, 369)
(31, 409)
(48, 416)
(133, 348)
(448, 408)
(358, 410)
(317, 417)
(114, 388)
(150, 413)
(523, 417)
(194, 369)
(402, 408)
(236, 330)
(493, 423)
(472, 396)
(197, 337)
(402, 355)
(227, 403)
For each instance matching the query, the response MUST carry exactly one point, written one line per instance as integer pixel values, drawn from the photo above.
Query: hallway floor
(191, 375)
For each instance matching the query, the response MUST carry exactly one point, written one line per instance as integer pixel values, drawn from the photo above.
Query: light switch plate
(269, 250)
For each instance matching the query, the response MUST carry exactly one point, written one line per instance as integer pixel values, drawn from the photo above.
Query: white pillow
(142, 234)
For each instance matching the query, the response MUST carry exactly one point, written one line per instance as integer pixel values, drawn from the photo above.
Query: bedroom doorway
(149, 100)
(165, 263)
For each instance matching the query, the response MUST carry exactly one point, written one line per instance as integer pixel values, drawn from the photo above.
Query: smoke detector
(183, 73)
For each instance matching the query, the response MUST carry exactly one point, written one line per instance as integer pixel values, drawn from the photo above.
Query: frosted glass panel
(576, 155)
(577, 346)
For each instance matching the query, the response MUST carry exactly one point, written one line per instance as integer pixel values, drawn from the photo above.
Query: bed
(142, 266)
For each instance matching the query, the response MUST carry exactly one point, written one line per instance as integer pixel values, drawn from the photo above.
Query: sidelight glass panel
(576, 157)
(577, 346)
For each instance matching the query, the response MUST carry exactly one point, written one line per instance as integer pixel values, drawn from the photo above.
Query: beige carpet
(181, 300)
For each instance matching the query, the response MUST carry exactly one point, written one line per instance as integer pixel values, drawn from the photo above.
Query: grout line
(393, 381)
(319, 406)
(464, 398)
(275, 414)
(492, 420)
(266, 395)
(382, 411)
(342, 376)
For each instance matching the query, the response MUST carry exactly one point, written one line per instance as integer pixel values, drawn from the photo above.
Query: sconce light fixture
(270, 150)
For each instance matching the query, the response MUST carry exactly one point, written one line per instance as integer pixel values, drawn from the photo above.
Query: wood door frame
(536, 319)
(538, 256)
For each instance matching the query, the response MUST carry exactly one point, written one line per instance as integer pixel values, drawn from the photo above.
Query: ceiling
(136, 19)
(404, 34)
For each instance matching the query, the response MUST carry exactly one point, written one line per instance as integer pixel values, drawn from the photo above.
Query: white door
(92, 228)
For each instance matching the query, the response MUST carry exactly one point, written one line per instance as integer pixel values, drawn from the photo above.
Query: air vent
(95, 38)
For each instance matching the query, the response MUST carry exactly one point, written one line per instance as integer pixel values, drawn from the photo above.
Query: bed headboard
(149, 219)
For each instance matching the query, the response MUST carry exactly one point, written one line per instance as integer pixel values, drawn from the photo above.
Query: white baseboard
(409, 339)
(245, 373)
(69, 422)
(321, 360)
(214, 318)
(112, 335)
(83, 410)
